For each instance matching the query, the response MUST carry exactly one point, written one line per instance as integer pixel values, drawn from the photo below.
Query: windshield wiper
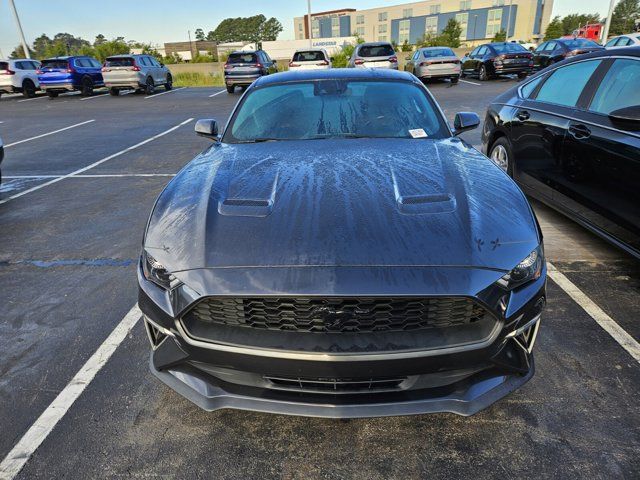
(262, 139)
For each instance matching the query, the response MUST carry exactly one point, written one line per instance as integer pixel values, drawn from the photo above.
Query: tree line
(254, 29)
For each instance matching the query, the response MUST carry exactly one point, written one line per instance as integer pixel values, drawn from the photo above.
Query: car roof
(433, 48)
(127, 55)
(314, 49)
(244, 52)
(336, 74)
(372, 44)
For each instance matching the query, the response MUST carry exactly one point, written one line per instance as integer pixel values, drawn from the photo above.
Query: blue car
(67, 74)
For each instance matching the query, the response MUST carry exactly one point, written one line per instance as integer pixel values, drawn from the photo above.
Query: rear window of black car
(308, 57)
(119, 62)
(376, 51)
(438, 52)
(55, 64)
(4, 66)
(242, 58)
(581, 43)
(508, 48)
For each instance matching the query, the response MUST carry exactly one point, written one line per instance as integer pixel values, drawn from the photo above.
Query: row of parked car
(81, 73)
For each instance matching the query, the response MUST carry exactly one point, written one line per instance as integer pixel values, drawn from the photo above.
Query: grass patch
(195, 79)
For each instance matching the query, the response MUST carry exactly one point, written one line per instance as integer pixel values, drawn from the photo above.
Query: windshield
(335, 109)
(581, 43)
(376, 51)
(438, 52)
(242, 58)
(313, 56)
(119, 62)
(55, 64)
(508, 47)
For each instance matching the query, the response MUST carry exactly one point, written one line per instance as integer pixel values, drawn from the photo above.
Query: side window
(267, 57)
(483, 51)
(623, 42)
(528, 89)
(564, 86)
(144, 62)
(416, 55)
(19, 66)
(475, 52)
(611, 42)
(541, 47)
(95, 63)
(619, 87)
(79, 62)
(154, 61)
(551, 46)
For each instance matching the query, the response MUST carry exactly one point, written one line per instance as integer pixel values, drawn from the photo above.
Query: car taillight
(70, 69)
(358, 61)
(324, 62)
(425, 64)
(136, 68)
(393, 59)
(38, 72)
(259, 65)
(227, 66)
(8, 72)
(105, 69)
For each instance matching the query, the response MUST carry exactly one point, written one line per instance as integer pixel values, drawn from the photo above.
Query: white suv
(19, 75)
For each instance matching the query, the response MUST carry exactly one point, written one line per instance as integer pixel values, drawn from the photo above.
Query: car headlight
(526, 271)
(155, 272)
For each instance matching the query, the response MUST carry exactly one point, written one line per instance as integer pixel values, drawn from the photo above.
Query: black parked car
(570, 137)
(494, 59)
(555, 51)
(243, 68)
(310, 262)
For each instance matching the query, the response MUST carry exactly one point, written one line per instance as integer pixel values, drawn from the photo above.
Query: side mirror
(627, 118)
(207, 127)
(274, 61)
(465, 121)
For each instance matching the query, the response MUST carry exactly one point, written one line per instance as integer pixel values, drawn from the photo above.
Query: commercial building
(187, 50)
(480, 20)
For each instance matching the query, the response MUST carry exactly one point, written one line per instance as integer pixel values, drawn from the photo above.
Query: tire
(522, 75)
(28, 89)
(483, 76)
(86, 90)
(501, 154)
(114, 92)
(149, 87)
(454, 80)
(169, 84)
(52, 94)
(230, 88)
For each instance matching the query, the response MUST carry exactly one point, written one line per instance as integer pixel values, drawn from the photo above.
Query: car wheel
(454, 80)
(169, 84)
(482, 75)
(114, 92)
(149, 88)
(230, 88)
(52, 94)
(87, 87)
(28, 89)
(522, 75)
(500, 154)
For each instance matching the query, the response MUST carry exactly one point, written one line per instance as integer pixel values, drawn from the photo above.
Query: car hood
(343, 202)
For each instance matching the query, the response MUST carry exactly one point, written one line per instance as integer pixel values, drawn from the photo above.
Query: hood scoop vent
(251, 192)
(417, 204)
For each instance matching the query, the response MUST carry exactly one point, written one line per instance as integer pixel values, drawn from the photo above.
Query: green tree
(405, 46)
(40, 46)
(450, 35)
(554, 29)
(18, 52)
(341, 58)
(108, 48)
(246, 29)
(501, 36)
(576, 20)
(200, 36)
(100, 39)
(624, 16)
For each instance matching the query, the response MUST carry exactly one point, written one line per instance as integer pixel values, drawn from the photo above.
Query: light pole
(607, 24)
(309, 23)
(20, 32)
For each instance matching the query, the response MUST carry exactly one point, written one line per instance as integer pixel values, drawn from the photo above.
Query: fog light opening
(525, 336)
(155, 333)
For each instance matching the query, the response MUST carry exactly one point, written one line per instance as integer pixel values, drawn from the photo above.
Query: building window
(494, 22)
(431, 25)
(315, 28)
(382, 16)
(299, 27)
(382, 38)
(498, 3)
(463, 20)
(360, 31)
(404, 30)
(360, 20)
(407, 12)
(382, 28)
(465, 5)
(434, 9)
(335, 26)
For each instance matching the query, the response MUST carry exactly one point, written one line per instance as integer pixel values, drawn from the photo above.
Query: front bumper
(458, 380)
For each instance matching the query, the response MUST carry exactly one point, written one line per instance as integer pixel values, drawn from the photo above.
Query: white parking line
(47, 134)
(164, 93)
(34, 98)
(618, 333)
(94, 96)
(470, 83)
(217, 93)
(38, 432)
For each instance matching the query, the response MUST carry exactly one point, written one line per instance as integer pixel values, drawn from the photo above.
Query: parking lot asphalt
(73, 205)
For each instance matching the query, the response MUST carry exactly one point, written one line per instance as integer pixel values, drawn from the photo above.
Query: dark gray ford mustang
(339, 252)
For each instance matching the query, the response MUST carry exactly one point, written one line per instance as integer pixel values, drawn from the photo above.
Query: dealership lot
(73, 205)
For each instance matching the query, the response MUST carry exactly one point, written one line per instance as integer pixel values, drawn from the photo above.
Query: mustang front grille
(312, 314)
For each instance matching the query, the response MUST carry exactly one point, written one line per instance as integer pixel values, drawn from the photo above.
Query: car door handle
(579, 131)
(523, 115)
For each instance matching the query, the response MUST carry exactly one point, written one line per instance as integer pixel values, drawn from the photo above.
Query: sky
(168, 21)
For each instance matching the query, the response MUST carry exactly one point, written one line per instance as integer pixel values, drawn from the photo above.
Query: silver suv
(137, 72)
(374, 55)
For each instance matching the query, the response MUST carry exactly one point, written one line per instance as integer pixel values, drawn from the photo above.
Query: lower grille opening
(154, 334)
(337, 385)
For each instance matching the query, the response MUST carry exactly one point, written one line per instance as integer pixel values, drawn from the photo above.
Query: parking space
(73, 205)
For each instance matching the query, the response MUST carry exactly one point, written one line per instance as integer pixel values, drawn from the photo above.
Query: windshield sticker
(418, 133)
